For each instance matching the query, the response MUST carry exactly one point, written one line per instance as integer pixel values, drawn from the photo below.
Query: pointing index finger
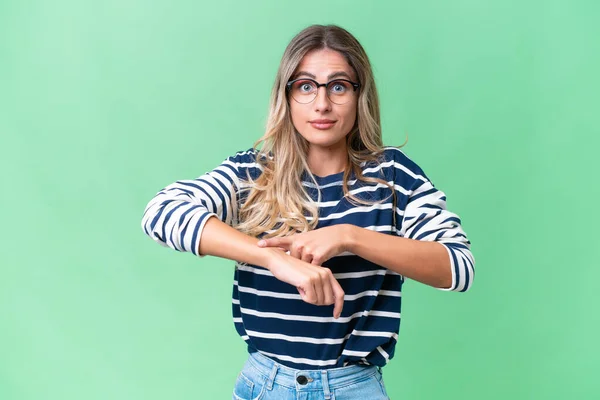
(282, 242)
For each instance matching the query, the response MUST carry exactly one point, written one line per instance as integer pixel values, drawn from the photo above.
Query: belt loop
(325, 383)
(272, 377)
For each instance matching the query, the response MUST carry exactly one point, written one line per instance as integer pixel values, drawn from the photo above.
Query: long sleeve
(423, 216)
(175, 216)
(426, 218)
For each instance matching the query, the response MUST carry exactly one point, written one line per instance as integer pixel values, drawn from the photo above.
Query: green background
(104, 103)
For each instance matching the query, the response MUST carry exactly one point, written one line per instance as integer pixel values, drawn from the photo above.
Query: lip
(322, 123)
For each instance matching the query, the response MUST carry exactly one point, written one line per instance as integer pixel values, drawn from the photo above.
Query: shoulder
(398, 156)
(402, 166)
(244, 163)
(243, 157)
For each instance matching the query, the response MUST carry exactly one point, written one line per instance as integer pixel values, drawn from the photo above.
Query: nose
(322, 101)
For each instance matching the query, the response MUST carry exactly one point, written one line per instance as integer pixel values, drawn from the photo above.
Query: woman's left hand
(315, 246)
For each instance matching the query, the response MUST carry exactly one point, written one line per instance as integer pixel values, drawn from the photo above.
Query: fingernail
(261, 242)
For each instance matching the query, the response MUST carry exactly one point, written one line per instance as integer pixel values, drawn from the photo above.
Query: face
(322, 122)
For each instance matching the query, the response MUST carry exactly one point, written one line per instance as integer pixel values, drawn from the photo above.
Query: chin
(321, 141)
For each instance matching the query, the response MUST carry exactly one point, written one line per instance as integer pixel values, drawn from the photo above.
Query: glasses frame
(288, 88)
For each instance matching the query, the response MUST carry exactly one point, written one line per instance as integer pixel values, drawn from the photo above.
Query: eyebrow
(330, 77)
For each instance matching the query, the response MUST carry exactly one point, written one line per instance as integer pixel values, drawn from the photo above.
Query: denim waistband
(310, 380)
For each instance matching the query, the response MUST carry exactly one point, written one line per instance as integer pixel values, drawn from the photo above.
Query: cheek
(297, 114)
(349, 116)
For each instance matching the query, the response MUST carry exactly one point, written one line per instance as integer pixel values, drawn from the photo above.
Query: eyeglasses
(339, 91)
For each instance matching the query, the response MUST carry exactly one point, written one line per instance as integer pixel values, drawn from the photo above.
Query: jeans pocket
(382, 384)
(246, 389)
(243, 388)
(367, 387)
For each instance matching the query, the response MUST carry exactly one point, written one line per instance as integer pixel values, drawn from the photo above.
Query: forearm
(221, 240)
(424, 261)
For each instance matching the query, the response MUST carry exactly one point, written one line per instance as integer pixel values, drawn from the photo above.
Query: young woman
(325, 223)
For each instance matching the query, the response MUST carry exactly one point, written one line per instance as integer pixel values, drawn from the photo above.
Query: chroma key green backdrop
(104, 103)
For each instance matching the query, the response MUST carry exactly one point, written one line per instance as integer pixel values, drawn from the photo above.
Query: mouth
(322, 123)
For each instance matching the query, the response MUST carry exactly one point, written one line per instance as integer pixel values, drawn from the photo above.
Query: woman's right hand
(316, 284)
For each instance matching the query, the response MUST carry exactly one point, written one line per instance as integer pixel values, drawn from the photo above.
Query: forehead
(324, 62)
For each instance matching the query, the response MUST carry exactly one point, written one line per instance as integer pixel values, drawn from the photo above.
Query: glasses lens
(340, 92)
(304, 91)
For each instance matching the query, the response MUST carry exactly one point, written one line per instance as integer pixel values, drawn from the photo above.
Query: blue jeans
(264, 379)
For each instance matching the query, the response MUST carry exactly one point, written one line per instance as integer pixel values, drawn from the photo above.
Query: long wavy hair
(277, 204)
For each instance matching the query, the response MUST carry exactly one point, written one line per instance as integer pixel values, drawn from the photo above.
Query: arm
(426, 262)
(177, 215)
(316, 284)
(427, 230)
(423, 261)
(432, 247)
(181, 217)
(221, 240)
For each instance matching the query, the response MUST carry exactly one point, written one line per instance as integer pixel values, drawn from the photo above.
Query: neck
(324, 161)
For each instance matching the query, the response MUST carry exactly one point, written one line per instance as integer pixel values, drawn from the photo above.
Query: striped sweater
(269, 314)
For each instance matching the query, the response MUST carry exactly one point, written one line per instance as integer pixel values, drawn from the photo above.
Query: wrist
(269, 257)
(349, 237)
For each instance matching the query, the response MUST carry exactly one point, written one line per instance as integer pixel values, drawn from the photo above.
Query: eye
(339, 87)
(304, 86)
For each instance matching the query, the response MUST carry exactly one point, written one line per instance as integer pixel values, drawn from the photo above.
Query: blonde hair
(277, 203)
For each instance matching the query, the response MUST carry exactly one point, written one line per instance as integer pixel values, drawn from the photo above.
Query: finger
(303, 293)
(306, 257)
(329, 297)
(282, 242)
(317, 287)
(338, 293)
(307, 293)
(296, 251)
(319, 292)
(307, 289)
(313, 294)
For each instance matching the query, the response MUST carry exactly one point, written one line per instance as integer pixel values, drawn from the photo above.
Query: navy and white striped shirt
(269, 314)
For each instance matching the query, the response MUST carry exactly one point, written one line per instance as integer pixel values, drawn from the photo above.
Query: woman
(324, 223)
